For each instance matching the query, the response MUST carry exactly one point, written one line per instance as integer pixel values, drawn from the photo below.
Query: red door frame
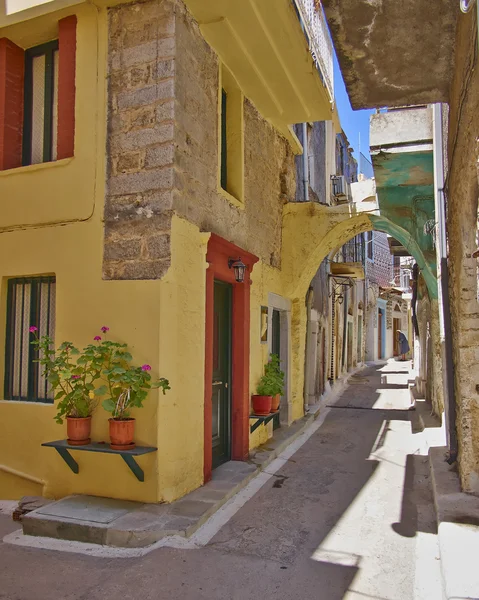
(218, 252)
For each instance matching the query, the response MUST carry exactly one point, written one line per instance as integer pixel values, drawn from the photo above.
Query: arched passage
(310, 232)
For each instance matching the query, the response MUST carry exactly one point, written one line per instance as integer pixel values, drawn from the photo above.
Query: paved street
(350, 515)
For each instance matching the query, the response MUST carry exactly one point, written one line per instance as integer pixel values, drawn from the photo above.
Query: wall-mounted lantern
(238, 267)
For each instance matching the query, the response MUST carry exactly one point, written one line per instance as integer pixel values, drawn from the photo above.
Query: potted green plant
(273, 369)
(264, 395)
(71, 375)
(127, 387)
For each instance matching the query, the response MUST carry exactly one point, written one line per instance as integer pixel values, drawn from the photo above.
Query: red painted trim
(208, 427)
(12, 71)
(219, 250)
(67, 44)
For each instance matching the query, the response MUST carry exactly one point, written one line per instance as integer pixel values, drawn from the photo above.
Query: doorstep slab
(88, 508)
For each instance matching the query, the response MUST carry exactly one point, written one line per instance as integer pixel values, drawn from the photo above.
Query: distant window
(231, 141)
(40, 104)
(30, 302)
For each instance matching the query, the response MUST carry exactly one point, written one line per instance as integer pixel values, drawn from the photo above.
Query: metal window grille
(30, 301)
(40, 104)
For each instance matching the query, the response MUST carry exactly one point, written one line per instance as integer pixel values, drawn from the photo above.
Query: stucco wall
(462, 195)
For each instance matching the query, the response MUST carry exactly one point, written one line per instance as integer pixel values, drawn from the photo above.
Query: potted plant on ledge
(72, 382)
(127, 387)
(264, 395)
(276, 375)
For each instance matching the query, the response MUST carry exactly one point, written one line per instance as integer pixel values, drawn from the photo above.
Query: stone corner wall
(140, 150)
(269, 168)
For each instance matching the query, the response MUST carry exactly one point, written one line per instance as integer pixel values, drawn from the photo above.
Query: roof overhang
(394, 53)
(263, 44)
(353, 270)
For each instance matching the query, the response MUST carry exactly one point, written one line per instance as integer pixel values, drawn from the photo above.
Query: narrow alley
(349, 515)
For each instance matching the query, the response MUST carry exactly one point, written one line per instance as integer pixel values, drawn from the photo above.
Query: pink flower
(146, 368)
(105, 329)
(33, 329)
(97, 338)
(75, 376)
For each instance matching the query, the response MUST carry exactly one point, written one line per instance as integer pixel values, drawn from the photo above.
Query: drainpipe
(305, 162)
(445, 328)
(307, 361)
(345, 327)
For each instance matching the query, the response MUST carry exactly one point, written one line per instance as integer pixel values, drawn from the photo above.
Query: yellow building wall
(51, 223)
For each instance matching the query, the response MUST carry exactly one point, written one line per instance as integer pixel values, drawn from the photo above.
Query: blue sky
(354, 122)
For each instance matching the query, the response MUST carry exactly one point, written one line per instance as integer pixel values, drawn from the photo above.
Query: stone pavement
(349, 516)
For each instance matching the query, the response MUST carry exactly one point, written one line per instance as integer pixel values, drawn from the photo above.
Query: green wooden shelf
(262, 420)
(63, 448)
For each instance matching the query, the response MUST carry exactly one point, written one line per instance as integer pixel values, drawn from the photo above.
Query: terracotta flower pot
(275, 403)
(122, 434)
(262, 405)
(78, 430)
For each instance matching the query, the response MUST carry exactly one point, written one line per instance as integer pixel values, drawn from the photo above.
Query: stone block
(140, 97)
(140, 138)
(140, 118)
(123, 249)
(145, 270)
(164, 68)
(129, 162)
(139, 32)
(165, 111)
(143, 75)
(160, 48)
(131, 183)
(159, 156)
(158, 246)
(137, 225)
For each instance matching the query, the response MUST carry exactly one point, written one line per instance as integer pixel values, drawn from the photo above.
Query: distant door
(380, 333)
(396, 328)
(276, 347)
(221, 392)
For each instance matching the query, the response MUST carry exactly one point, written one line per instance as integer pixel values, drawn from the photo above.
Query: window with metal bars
(30, 302)
(40, 104)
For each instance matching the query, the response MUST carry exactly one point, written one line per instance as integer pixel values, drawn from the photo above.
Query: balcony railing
(320, 44)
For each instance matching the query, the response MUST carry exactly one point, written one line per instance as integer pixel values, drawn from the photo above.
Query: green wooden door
(221, 395)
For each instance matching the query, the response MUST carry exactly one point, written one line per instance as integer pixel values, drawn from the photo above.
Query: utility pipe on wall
(445, 326)
(305, 162)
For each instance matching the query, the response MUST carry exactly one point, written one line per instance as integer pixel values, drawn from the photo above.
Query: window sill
(231, 199)
(28, 402)
(38, 167)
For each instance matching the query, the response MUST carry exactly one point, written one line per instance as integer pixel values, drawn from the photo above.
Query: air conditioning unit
(340, 189)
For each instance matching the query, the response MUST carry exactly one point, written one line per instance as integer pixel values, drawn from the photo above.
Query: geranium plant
(127, 386)
(71, 375)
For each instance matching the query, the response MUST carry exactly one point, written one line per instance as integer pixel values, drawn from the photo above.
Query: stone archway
(312, 231)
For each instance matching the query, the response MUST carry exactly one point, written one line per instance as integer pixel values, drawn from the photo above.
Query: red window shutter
(67, 44)
(12, 70)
